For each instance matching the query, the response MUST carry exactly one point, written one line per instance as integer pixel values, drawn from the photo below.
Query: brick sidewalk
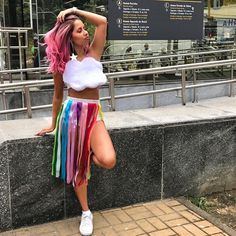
(158, 218)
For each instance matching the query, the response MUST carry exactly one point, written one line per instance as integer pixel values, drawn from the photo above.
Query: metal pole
(4, 103)
(154, 88)
(20, 55)
(28, 102)
(231, 85)
(112, 94)
(37, 33)
(9, 56)
(183, 84)
(21, 74)
(109, 89)
(194, 81)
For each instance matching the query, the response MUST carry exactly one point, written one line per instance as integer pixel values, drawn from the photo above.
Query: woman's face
(80, 36)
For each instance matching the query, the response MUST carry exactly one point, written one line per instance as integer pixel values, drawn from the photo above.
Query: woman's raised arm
(100, 22)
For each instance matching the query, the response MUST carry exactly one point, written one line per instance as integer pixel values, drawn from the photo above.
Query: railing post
(154, 96)
(4, 102)
(231, 85)
(183, 84)
(194, 81)
(9, 56)
(28, 102)
(112, 94)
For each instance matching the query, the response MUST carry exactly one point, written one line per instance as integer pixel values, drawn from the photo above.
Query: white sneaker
(86, 224)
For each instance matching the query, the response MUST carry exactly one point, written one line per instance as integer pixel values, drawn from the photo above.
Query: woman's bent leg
(103, 151)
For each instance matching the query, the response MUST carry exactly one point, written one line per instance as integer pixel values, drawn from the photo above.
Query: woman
(80, 131)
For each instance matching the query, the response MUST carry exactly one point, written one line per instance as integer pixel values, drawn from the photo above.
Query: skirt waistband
(83, 100)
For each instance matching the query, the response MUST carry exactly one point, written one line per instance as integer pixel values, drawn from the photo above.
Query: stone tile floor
(158, 218)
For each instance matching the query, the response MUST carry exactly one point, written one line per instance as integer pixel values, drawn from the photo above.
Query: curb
(207, 216)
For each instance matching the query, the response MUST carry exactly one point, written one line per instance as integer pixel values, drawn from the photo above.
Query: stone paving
(157, 218)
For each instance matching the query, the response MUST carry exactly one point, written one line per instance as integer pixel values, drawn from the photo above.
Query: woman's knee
(108, 160)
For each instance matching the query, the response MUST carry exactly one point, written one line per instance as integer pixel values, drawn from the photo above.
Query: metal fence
(25, 86)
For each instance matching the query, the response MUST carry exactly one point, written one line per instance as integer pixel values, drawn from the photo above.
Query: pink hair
(59, 47)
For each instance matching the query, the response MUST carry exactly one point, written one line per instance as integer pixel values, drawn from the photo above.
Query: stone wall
(153, 161)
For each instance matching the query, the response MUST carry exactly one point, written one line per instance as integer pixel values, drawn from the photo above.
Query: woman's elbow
(104, 20)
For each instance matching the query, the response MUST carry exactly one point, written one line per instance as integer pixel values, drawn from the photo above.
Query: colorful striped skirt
(71, 151)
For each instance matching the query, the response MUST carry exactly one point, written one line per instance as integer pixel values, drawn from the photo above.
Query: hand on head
(62, 15)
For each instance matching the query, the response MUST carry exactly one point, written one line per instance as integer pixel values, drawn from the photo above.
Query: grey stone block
(36, 196)
(135, 178)
(5, 213)
(195, 155)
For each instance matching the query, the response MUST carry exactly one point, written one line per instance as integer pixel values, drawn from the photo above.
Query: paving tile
(189, 216)
(150, 203)
(203, 224)
(111, 218)
(67, 227)
(125, 226)
(181, 231)
(177, 222)
(171, 216)
(99, 221)
(97, 232)
(122, 216)
(179, 208)
(132, 232)
(212, 230)
(109, 232)
(157, 223)
(145, 225)
(135, 210)
(142, 215)
(194, 213)
(194, 230)
(164, 232)
(155, 210)
(164, 207)
(110, 210)
(172, 203)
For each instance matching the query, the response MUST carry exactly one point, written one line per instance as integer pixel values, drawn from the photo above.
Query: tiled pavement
(158, 218)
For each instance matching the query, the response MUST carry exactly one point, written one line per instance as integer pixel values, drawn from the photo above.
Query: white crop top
(87, 73)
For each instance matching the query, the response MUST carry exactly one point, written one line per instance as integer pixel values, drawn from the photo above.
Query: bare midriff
(88, 93)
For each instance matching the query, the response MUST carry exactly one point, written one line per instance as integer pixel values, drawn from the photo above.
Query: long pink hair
(59, 45)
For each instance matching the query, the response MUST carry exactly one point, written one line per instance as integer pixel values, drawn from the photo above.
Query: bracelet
(74, 10)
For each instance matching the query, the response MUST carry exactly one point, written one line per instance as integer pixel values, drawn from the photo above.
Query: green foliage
(200, 202)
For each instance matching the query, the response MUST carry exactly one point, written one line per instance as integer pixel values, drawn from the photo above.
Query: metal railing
(193, 54)
(113, 76)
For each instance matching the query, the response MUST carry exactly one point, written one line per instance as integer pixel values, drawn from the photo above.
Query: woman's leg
(81, 193)
(103, 151)
(103, 156)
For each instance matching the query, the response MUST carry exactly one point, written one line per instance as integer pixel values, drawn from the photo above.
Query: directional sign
(155, 19)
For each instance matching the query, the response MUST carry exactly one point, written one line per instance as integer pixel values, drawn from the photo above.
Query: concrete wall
(157, 156)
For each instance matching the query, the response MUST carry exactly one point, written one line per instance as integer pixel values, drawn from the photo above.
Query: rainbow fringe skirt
(71, 151)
